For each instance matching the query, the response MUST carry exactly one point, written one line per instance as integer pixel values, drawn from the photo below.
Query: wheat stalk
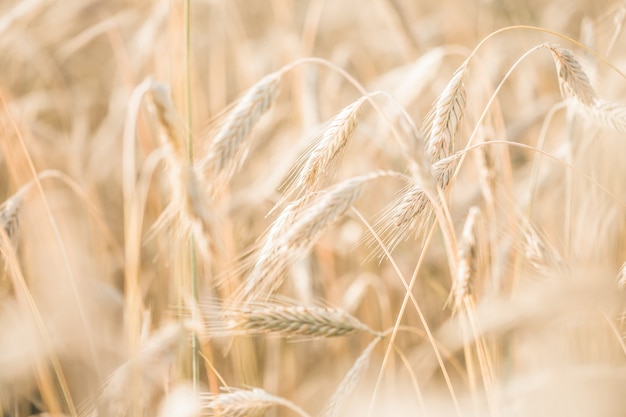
(573, 80)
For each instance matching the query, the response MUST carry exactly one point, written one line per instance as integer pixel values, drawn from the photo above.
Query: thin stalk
(193, 261)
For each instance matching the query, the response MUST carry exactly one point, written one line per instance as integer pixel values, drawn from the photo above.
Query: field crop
(312, 208)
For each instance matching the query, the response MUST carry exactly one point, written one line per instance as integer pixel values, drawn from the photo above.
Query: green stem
(195, 348)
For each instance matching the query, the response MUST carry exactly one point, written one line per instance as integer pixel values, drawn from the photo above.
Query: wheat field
(312, 208)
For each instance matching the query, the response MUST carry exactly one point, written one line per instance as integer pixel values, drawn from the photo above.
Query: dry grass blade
(242, 403)
(228, 147)
(348, 384)
(302, 226)
(467, 264)
(288, 321)
(446, 116)
(328, 150)
(573, 80)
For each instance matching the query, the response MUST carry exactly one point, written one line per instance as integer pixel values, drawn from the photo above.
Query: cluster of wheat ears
(443, 236)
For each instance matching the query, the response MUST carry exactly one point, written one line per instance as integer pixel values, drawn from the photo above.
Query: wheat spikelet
(621, 277)
(573, 80)
(412, 209)
(228, 147)
(136, 384)
(348, 384)
(286, 320)
(538, 253)
(328, 150)
(607, 115)
(446, 116)
(466, 268)
(302, 226)
(242, 403)
(182, 401)
(189, 191)
(10, 214)
(168, 118)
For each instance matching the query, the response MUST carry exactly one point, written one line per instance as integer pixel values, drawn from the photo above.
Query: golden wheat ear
(240, 403)
(10, 214)
(446, 116)
(336, 405)
(573, 80)
(463, 283)
(283, 319)
(228, 147)
(328, 149)
(298, 227)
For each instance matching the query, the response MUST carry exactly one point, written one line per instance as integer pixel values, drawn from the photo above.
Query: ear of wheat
(302, 227)
(329, 147)
(286, 320)
(10, 214)
(466, 269)
(335, 406)
(242, 403)
(446, 116)
(573, 80)
(228, 147)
